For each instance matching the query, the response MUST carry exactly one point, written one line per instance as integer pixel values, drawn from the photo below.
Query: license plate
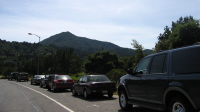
(105, 91)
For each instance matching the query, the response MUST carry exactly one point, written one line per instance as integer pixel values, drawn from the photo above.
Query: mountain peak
(83, 44)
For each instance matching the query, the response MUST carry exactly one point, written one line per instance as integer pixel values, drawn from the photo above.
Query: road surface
(23, 97)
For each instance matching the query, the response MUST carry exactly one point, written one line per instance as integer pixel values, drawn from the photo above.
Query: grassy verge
(2, 77)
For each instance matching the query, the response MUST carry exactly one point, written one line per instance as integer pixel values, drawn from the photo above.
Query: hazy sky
(115, 21)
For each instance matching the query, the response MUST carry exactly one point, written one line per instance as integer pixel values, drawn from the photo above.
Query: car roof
(176, 49)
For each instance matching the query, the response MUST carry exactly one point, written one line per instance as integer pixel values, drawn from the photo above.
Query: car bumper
(64, 86)
(101, 91)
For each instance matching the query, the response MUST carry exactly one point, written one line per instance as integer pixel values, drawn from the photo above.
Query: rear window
(63, 77)
(98, 78)
(186, 61)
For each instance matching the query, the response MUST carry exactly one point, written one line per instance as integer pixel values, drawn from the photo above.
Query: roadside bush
(77, 76)
(115, 74)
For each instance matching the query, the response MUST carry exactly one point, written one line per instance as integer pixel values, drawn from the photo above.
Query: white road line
(48, 98)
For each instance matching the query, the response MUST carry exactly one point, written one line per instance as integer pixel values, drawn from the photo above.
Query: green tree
(139, 52)
(115, 74)
(101, 62)
(183, 32)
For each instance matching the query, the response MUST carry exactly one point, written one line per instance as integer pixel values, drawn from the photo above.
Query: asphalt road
(23, 97)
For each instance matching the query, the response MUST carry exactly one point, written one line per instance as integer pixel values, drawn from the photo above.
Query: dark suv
(22, 76)
(168, 80)
(13, 75)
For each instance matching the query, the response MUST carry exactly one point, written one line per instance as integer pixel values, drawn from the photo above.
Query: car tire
(31, 83)
(85, 94)
(74, 93)
(178, 103)
(123, 101)
(41, 85)
(54, 89)
(49, 88)
(110, 95)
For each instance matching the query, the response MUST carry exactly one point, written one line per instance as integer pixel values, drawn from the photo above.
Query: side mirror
(130, 71)
(139, 72)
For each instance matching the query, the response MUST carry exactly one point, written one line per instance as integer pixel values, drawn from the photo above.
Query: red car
(58, 82)
(94, 84)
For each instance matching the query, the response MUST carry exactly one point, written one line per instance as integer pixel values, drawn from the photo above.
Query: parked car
(168, 80)
(36, 79)
(22, 76)
(13, 75)
(94, 84)
(45, 81)
(58, 82)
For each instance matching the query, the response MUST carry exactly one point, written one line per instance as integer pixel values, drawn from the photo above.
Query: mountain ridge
(83, 44)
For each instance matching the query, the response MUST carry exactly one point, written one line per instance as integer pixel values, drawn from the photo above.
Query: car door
(77, 85)
(51, 81)
(83, 84)
(136, 83)
(157, 79)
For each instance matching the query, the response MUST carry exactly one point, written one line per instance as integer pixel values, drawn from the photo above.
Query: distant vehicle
(37, 79)
(165, 81)
(45, 81)
(13, 75)
(58, 82)
(22, 76)
(94, 84)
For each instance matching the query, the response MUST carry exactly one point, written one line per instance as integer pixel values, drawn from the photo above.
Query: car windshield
(39, 76)
(63, 77)
(99, 78)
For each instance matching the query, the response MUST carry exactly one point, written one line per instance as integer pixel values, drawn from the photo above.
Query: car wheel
(110, 95)
(123, 101)
(74, 93)
(54, 89)
(41, 85)
(179, 104)
(49, 88)
(85, 94)
(31, 83)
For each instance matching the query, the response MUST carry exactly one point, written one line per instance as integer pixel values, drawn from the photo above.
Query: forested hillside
(61, 53)
(85, 45)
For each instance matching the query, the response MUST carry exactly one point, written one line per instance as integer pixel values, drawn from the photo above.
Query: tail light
(56, 81)
(70, 80)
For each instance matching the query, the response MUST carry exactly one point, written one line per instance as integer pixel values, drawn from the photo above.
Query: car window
(81, 79)
(159, 64)
(186, 61)
(63, 77)
(97, 78)
(40, 76)
(84, 79)
(143, 65)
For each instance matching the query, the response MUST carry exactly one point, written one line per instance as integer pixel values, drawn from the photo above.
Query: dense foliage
(101, 62)
(183, 32)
